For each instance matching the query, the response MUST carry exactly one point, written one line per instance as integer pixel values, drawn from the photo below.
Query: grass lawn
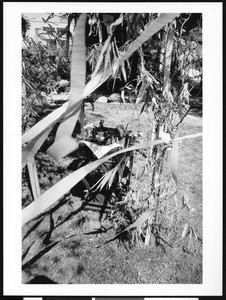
(61, 245)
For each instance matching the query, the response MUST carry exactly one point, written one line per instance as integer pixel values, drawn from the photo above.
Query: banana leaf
(150, 29)
(63, 186)
(99, 79)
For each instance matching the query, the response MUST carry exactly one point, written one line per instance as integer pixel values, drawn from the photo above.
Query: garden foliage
(164, 57)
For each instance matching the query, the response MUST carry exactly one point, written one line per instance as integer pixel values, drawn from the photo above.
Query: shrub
(42, 67)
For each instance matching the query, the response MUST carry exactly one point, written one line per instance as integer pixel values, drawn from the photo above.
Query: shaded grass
(69, 256)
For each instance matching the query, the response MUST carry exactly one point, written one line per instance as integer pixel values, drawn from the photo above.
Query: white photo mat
(212, 150)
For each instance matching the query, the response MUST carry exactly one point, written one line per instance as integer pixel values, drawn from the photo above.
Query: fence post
(33, 176)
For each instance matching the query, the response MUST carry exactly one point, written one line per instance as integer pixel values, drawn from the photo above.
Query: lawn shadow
(32, 229)
(27, 250)
(39, 255)
(47, 236)
(41, 280)
(43, 215)
(74, 213)
(46, 240)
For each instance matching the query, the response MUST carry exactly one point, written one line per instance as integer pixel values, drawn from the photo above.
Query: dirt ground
(61, 246)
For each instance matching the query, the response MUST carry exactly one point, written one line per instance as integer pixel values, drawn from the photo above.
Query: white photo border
(212, 150)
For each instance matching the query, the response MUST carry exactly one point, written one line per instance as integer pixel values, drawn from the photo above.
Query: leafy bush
(42, 67)
(42, 70)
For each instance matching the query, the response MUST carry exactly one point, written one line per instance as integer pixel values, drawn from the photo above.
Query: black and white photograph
(113, 171)
(135, 217)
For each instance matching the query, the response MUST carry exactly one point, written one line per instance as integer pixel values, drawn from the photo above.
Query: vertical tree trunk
(161, 126)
